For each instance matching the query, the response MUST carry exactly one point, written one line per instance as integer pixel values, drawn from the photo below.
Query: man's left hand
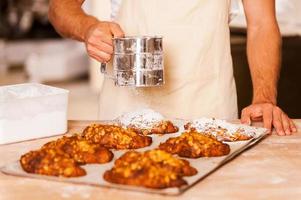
(271, 115)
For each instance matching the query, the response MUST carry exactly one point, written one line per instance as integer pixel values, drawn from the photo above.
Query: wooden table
(270, 170)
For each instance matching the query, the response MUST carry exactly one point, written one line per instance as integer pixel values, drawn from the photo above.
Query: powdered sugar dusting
(142, 119)
(213, 127)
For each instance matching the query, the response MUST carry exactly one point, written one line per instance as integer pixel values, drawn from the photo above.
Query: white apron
(197, 59)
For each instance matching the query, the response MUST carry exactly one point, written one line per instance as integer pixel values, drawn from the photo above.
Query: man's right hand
(69, 19)
(98, 40)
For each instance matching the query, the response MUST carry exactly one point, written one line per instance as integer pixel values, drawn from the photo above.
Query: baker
(199, 78)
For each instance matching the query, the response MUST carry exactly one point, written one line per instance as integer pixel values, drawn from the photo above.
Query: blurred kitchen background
(31, 51)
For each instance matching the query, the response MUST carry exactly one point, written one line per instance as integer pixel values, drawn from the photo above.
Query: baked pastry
(51, 162)
(147, 122)
(81, 150)
(194, 145)
(161, 127)
(151, 169)
(221, 130)
(159, 158)
(115, 137)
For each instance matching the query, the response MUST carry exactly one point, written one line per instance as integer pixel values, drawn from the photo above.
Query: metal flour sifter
(137, 61)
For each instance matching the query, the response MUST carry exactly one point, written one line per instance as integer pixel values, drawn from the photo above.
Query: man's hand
(264, 56)
(69, 19)
(271, 115)
(98, 40)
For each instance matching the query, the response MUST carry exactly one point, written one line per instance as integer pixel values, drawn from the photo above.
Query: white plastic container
(31, 110)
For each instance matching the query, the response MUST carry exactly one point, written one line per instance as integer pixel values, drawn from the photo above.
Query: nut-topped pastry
(161, 127)
(151, 169)
(115, 137)
(81, 150)
(147, 122)
(51, 162)
(221, 130)
(194, 145)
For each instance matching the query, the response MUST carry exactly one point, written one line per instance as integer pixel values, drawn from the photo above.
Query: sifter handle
(103, 70)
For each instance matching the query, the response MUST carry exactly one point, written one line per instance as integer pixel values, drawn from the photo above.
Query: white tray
(205, 166)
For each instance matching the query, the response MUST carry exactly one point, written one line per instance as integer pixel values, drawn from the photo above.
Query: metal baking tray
(205, 166)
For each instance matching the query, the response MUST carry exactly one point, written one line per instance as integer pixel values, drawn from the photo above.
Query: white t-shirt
(288, 16)
(115, 5)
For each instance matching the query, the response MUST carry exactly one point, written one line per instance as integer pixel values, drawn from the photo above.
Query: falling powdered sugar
(213, 127)
(142, 119)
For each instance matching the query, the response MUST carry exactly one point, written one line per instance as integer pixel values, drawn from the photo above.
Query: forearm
(264, 56)
(69, 19)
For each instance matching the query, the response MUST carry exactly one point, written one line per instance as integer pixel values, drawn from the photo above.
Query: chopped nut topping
(116, 137)
(153, 169)
(195, 145)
